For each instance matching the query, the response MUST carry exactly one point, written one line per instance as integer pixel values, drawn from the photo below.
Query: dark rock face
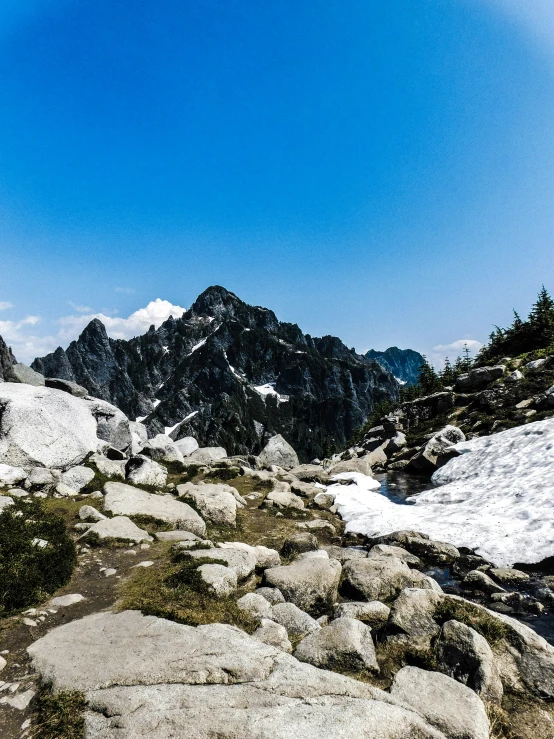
(7, 360)
(202, 370)
(405, 364)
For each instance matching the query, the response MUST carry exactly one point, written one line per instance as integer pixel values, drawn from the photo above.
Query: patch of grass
(68, 508)
(174, 590)
(59, 715)
(493, 629)
(499, 722)
(151, 523)
(393, 655)
(29, 572)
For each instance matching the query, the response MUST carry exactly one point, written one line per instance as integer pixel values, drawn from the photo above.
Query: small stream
(398, 487)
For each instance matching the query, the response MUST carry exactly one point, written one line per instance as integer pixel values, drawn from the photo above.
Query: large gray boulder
(219, 580)
(412, 617)
(283, 499)
(272, 633)
(148, 677)
(187, 445)
(278, 452)
(217, 503)
(243, 563)
(382, 578)
(374, 613)
(66, 386)
(144, 471)
(22, 373)
(112, 424)
(437, 451)
(119, 528)
(298, 623)
(125, 500)
(311, 584)
(478, 378)
(40, 427)
(265, 557)
(466, 656)
(344, 645)
(445, 703)
(161, 449)
(77, 477)
(208, 455)
(11, 475)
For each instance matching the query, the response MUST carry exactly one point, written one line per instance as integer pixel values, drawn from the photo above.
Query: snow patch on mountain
(497, 497)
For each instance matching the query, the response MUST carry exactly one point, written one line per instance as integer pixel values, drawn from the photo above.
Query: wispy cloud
(5, 305)
(80, 308)
(124, 290)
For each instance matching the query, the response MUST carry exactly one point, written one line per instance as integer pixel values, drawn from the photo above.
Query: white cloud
(5, 305)
(452, 350)
(26, 345)
(156, 312)
(124, 290)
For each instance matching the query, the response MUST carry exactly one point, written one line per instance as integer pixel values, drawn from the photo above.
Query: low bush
(29, 569)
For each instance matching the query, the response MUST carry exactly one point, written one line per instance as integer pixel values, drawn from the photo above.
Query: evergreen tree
(541, 320)
(428, 380)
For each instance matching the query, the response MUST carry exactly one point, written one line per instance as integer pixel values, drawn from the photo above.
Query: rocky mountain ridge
(405, 364)
(229, 374)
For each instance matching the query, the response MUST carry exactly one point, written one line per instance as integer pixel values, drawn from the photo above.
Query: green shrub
(59, 715)
(29, 572)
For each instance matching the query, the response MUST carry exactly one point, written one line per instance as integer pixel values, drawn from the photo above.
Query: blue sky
(379, 171)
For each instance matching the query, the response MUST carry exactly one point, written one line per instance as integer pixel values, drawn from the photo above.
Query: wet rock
(477, 580)
(436, 552)
(345, 644)
(509, 576)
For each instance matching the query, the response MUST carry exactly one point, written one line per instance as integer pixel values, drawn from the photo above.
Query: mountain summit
(230, 374)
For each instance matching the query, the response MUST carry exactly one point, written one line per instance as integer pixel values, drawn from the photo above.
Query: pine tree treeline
(537, 332)
(430, 381)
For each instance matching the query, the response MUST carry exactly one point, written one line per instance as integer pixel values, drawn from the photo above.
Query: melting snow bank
(497, 498)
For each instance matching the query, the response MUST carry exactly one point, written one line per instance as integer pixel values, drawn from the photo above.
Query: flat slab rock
(119, 527)
(126, 500)
(144, 677)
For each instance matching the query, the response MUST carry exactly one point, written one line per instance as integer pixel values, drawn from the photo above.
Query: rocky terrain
(154, 587)
(229, 374)
(405, 364)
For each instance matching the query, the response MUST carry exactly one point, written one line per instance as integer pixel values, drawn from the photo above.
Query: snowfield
(497, 498)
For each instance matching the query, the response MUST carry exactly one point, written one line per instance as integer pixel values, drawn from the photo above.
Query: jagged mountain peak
(229, 374)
